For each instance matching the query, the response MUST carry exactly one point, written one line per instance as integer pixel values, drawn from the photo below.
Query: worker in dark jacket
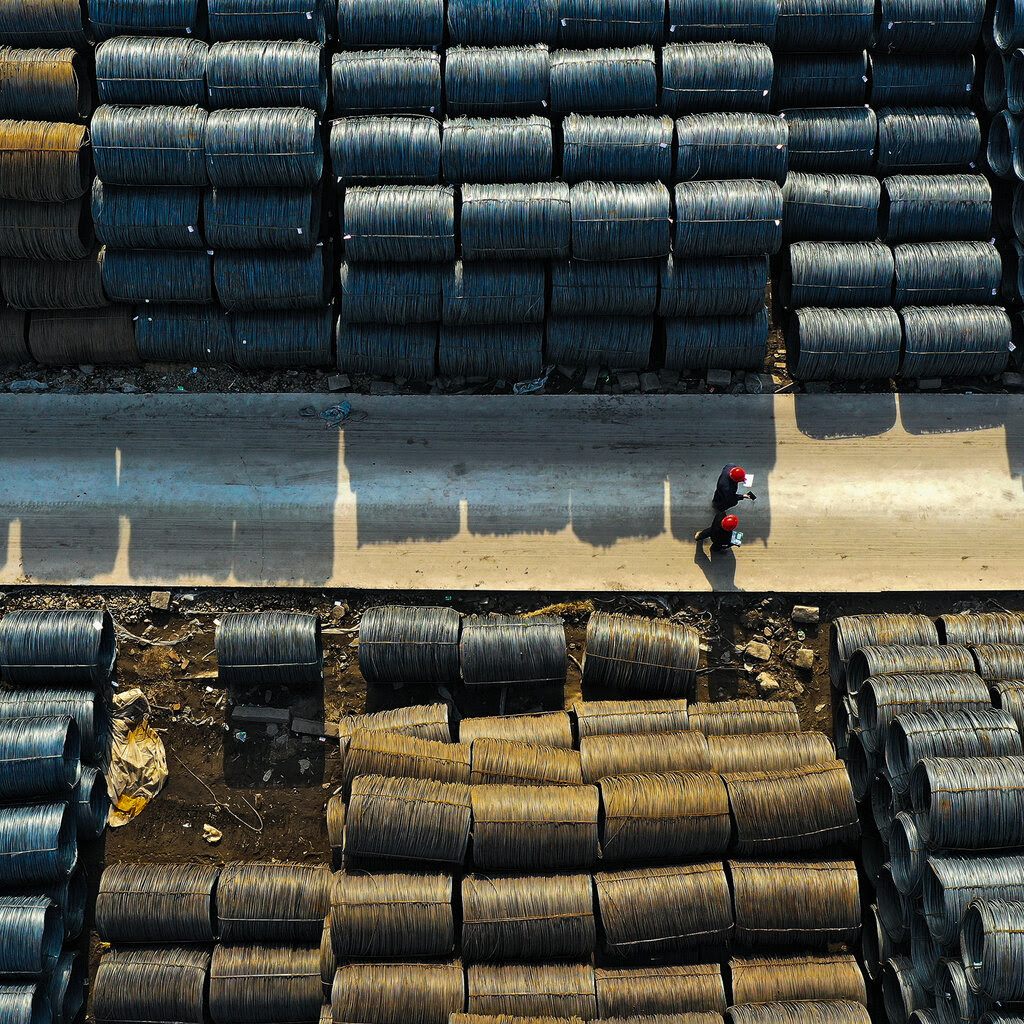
(726, 493)
(720, 531)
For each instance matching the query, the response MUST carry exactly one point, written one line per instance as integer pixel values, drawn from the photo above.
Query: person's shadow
(719, 568)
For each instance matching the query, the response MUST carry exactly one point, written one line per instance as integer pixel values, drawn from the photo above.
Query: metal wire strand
(496, 149)
(830, 207)
(378, 150)
(185, 334)
(904, 80)
(929, 26)
(138, 71)
(394, 755)
(617, 148)
(257, 279)
(43, 162)
(532, 990)
(39, 758)
(498, 650)
(819, 79)
(152, 218)
(386, 82)
(32, 932)
(607, 81)
(521, 221)
(303, 20)
(731, 287)
(427, 721)
(264, 146)
(906, 855)
(768, 752)
(832, 274)
(43, 231)
(363, 25)
(66, 988)
(620, 221)
(803, 1011)
(261, 218)
(503, 352)
(397, 992)
(493, 293)
(851, 632)
(493, 23)
(272, 903)
(267, 74)
(24, 1002)
(147, 984)
(946, 273)
(927, 140)
(265, 984)
(404, 223)
(149, 145)
(616, 717)
(903, 990)
(832, 139)
(497, 80)
(700, 77)
(844, 344)
(797, 978)
(816, 26)
(677, 988)
(269, 649)
(885, 659)
(954, 1000)
(739, 717)
(955, 341)
(108, 18)
(727, 218)
(717, 342)
(151, 275)
(43, 23)
(615, 341)
(43, 84)
(383, 349)
(627, 754)
(950, 882)
(524, 764)
(57, 648)
(549, 729)
(69, 338)
(731, 145)
(976, 628)
(619, 288)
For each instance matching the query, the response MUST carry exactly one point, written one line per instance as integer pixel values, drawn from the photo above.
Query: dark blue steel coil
(247, 279)
(1003, 143)
(493, 293)
(947, 274)
(386, 350)
(386, 82)
(13, 336)
(728, 218)
(622, 288)
(267, 19)
(369, 24)
(617, 148)
(24, 1004)
(157, 275)
(262, 218)
(698, 77)
(1015, 81)
(503, 352)
(717, 342)
(1012, 286)
(92, 804)
(995, 81)
(408, 223)
(282, 338)
(109, 18)
(69, 647)
(720, 146)
(631, 221)
(507, 222)
(927, 140)
(69, 894)
(499, 23)
(66, 987)
(28, 23)
(832, 139)
(183, 334)
(820, 80)
(39, 758)
(391, 293)
(496, 149)
(955, 341)
(147, 218)
(837, 274)
(588, 23)
(616, 342)
(1008, 24)
(267, 74)
(260, 147)
(41, 231)
(37, 843)
(612, 81)
(149, 145)
(928, 26)
(31, 935)
(500, 80)
(141, 71)
(823, 207)
(44, 85)
(88, 710)
(386, 150)
(720, 21)
(844, 344)
(814, 26)
(1016, 214)
(713, 287)
(903, 81)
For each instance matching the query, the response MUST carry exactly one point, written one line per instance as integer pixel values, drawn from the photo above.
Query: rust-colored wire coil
(265, 985)
(608, 717)
(804, 1011)
(44, 84)
(602, 756)
(71, 337)
(391, 755)
(549, 729)
(669, 989)
(795, 978)
(772, 751)
(144, 984)
(532, 990)
(43, 161)
(427, 721)
(398, 993)
(524, 764)
(737, 717)
(272, 903)
(53, 285)
(43, 231)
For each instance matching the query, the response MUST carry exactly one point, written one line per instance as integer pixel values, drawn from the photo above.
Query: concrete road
(855, 493)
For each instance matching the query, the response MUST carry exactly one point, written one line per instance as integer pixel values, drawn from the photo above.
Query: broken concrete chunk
(590, 378)
(160, 600)
(766, 682)
(338, 382)
(308, 727)
(649, 383)
(804, 658)
(758, 650)
(806, 613)
(629, 382)
(259, 715)
(719, 378)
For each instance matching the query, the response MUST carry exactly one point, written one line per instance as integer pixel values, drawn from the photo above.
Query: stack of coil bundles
(256, 650)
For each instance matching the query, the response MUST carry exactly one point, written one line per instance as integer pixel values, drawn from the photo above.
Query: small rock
(817, 387)
(766, 682)
(27, 385)
(719, 378)
(260, 715)
(87, 369)
(761, 384)
(568, 372)
(804, 658)
(649, 383)
(272, 729)
(705, 647)
(758, 650)
(308, 727)
(400, 382)
(129, 389)
(669, 379)
(929, 384)
(338, 382)
(750, 620)
(339, 611)
(767, 631)
(457, 382)
(798, 688)
(806, 613)
(590, 378)
(1013, 380)
(160, 600)
(628, 382)
(382, 387)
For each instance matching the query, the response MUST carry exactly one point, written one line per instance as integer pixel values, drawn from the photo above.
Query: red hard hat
(730, 522)
(737, 473)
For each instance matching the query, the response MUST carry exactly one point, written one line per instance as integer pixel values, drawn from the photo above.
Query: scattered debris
(804, 658)
(766, 682)
(259, 715)
(160, 600)
(526, 387)
(212, 835)
(719, 378)
(338, 382)
(805, 613)
(138, 761)
(758, 650)
(27, 385)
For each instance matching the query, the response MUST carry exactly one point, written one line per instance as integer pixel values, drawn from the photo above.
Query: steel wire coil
(272, 903)
(955, 341)
(152, 275)
(402, 644)
(547, 728)
(1008, 25)
(427, 721)
(630, 652)
(651, 912)
(851, 632)
(927, 140)
(906, 855)
(832, 139)
(610, 23)
(699, 77)
(928, 26)
(707, 21)
(617, 342)
(629, 754)
(493, 293)
(623, 149)
(903, 990)
(736, 145)
(837, 274)
(261, 218)
(57, 647)
(951, 882)
(1009, 696)
(412, 23)
(43, 162)
(391, 915)
(803, 1011)
(666, 1018)
(820, 79)
(524, 764)
(151, 218)
(981, 628)
(496, 150)
(500, 650)
(717, 342)
(769, 752)
(13, 335)
(620, 221)
(816, 26)
(159, 904)
(548, 917)
(328, 964)
(268, 19)
(256, 73)
(148, 984)
(260, 649)
(335, 813)
(66, 987)
(398, 993)
(814, 905)
(186, 334)
(664, 990)
(386, 150)
(486, 81)
(137, 71)
(830, 207)
(407, 350)
(713, 287)
(954, 1000)
(672, 817)
(26, 23)
(844, 344)
(496, 24)
(727, 218)
(32, 933)
(1015, 82)
(264, 146)
(23, 1002)
(386, 82)
(532, 990)
(907, 81)
(845, 711)
(542, 828)
(885, 659)
(618, 288)
(397, 294)
(994, 82)
(873, 853)
(39, 758)
(404, 223)
(522, 221)
(617, 717)
(41, 231)
(409, 819)
(999, 661)
(157, 145)
(604, 81)
(876, 946)
(70, 894)
(743, 717)
(895, 911)
(503, 352)
(955, 732)
(257, 279)
(885, 803)
(108, 18)
(394, 755)
(264, 984)
(946, 273)
(43, 84)
(797, 979)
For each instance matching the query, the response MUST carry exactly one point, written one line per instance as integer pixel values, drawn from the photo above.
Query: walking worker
(726, 493)
(720, 531)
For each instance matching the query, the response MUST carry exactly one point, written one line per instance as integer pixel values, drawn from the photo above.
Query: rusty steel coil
(72, 337)
(43, 84)
(632, 653)
(603, 756)
(44, 162)
(513, 650)
(40, 231)
(532, 990)
(981, 628)
(666, 1018)
(1008, 696)
(407, 644)
(788, 811)
(796, 978)
(328, 961)
(672, 817)
(804, 1011)
(744, 717)
(508, 1018)
(398, 993)
(393, 755)
(391, 916)
(850, 632)
(773, 751)
(549, 729)
(137, 985)
(896, 658)
(664, 990)
(265, 985)
(616, 717)
(544, 917)
(999, 661)
(336, 824)
(524, 764)
(814, 905)
(13, 335)
(53, 284)
(272, 903)
(658, 911)
(427, 721)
